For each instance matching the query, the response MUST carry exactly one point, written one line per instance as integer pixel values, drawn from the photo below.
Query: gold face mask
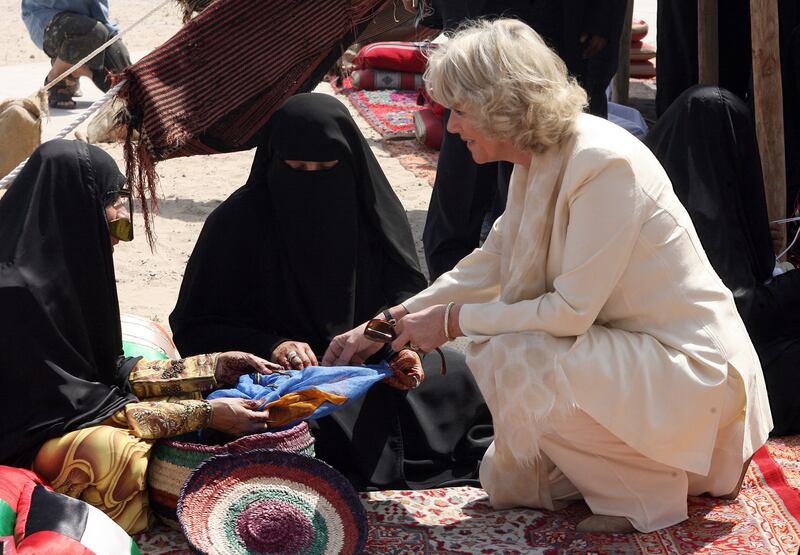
(122, 227)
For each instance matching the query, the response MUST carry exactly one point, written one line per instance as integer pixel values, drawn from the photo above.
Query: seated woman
(315, 242)
(72, 406)
(609, 352)
(706, 141)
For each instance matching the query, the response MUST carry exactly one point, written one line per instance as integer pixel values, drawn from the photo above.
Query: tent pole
(769, 105)
(622, 79)
(707, 42)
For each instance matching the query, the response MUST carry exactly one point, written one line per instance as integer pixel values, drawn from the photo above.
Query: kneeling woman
(610, 353)
(72, 406)
(315, 242)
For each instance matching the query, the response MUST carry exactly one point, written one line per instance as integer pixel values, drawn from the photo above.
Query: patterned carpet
(390, 112)
(764, 519)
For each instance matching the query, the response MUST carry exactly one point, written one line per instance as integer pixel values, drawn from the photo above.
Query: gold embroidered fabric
(157, 419)
(164, 378)
(171, 402)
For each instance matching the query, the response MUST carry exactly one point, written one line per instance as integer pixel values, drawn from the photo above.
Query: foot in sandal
(604, 524)
(60, 96)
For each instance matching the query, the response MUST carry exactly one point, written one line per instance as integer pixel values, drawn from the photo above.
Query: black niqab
(60, 339)
(294, 254)
(307, 255)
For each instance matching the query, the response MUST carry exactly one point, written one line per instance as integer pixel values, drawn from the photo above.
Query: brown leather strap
(443, 369)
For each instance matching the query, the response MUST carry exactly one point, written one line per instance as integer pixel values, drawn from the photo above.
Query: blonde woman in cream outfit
(611, 355)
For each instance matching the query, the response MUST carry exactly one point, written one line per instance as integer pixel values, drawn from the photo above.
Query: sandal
(74, 85)
(60, 96)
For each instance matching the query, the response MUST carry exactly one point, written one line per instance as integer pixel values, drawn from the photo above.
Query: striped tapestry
(213, 85)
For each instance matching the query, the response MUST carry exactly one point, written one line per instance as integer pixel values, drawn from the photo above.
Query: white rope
(6, 181)
(108, 43)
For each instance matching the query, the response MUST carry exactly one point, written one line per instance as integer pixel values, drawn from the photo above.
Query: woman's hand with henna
(233, 364)
(238, 416)
(407, 370)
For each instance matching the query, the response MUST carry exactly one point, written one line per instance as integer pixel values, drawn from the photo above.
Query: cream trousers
(579, 458)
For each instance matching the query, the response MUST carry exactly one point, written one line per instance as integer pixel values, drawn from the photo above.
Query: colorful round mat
(271, 502)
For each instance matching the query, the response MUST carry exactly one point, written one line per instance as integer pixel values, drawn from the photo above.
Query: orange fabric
(299, 405)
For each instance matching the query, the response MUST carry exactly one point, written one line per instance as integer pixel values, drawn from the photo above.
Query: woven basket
(172, 461)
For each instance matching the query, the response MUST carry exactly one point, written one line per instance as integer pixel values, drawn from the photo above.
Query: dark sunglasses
(122, 228)
(381, 331)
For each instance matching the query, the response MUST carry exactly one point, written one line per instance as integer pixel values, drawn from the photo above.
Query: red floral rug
(764, 519)
(390, 112)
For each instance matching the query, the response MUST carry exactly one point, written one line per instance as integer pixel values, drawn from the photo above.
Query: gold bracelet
(447, 320)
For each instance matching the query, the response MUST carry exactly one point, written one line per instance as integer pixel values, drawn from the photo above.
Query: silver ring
(290, 355)
(416, 381)
(414, 347)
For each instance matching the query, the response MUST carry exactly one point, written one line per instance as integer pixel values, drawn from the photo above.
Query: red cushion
(409, 57)
(375, 79)
(428, 128)
(643, 70)
(35, 519)
(424, 99)
(641, 51)
(639, 29)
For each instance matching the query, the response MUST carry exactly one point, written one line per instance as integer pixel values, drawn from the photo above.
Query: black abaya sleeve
(221, 305)
(197, 339)
(772, 309)
(400, 281)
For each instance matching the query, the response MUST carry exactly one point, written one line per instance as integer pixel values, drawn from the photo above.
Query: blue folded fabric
(348, 381)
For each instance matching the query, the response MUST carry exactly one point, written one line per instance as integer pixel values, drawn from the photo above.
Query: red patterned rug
(390, 112)
(764, 519)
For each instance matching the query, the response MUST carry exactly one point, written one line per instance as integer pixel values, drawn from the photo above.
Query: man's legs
(68, 39)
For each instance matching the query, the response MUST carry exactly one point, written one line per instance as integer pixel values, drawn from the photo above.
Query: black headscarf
(706, 141)
(301, 255)
(60, 340)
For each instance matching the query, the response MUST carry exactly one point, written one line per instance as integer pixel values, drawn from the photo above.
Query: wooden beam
(621, 84)
(707, 42)
(769, 105)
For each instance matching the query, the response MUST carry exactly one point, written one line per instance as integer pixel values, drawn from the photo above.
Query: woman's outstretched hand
(294, 354)
(233, 364)
(424, 330)
(351, 347)
(238, 417)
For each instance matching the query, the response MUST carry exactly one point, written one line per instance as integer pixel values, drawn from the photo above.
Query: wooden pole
(707, 42)
(622, 79)
(769, 105)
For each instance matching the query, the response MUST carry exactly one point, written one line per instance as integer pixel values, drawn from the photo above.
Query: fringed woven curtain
(213, 85)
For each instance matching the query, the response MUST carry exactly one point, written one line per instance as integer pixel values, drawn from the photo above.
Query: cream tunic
(632, 326)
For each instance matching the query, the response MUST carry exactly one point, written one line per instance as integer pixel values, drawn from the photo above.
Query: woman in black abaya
(69, 400)
(706, 143)
(315, 242)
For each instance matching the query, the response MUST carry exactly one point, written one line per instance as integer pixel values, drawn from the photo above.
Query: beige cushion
(20, 131)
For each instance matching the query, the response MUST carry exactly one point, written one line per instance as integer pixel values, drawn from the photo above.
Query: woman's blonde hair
(507, 78)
